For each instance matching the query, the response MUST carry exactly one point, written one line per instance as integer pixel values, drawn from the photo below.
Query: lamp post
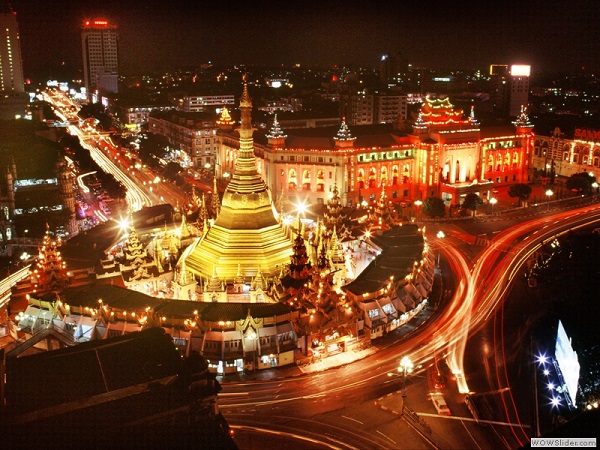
(406, 366)
(549, 194)
(418, 204)
(493, 201)
(226, 176)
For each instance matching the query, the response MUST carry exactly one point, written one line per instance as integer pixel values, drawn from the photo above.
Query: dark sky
(156, 35)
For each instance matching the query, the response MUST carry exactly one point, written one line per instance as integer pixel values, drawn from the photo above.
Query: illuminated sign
(587, 133)
(567, 362)
(517, 70)
(96, 23)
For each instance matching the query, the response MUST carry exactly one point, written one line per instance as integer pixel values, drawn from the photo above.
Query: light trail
(80, 182)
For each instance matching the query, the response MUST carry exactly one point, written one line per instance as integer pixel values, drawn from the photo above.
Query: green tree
(153, 147)
(582, 182)
(434, 207)
(172, 171)
(471, 201)
(521, 191)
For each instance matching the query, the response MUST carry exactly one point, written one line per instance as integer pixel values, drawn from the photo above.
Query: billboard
(520, 70)
(567, 364)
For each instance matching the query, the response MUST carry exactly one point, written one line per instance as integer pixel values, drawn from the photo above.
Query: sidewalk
(331, 362)
(292, 370)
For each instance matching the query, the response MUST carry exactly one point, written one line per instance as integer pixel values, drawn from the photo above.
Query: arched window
(361, 178)
(292, 180)
(490, 163)
(515, 160)
(320, 181)
(384, 176)
(306, 180)
(372, 178)
(395, 174)
(405, 174)
(446, 171)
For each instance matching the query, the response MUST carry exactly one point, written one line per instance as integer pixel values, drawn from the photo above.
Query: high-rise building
(511, 88)
(364, 108)
(519, 88)
(13, 99)
(99, 42)
(393, 69)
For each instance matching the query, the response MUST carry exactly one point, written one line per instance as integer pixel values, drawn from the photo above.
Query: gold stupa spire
(246, 230)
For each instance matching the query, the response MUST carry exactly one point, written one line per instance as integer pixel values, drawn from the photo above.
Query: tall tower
(13, 99)
(246, 236)
(519, 88)
(99, 41)
(11, 64)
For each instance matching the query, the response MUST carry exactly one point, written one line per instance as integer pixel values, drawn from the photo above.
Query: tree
(471, 201)
(581, 182)
(521, 191)
(153, 147)
(434, 207)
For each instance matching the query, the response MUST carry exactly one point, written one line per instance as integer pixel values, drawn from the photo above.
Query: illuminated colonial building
(247, 237)
(447, 155)
(558, 155)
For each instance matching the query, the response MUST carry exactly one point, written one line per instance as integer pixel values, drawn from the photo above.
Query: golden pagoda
(247, 236)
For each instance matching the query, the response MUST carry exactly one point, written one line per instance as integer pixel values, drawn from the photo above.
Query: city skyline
(155, 37)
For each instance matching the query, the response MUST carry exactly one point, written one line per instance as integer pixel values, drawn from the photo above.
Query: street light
(549, 194)
(406, 366)
(226, 176)
(418, 204)
(493, 201)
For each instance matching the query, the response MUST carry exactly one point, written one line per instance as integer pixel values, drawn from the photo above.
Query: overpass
(9, 282)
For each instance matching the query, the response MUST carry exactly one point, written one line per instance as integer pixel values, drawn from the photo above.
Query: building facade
(448, 155)
(11, 63)
(134, 117)
(373, 108)
(559, 155)
(194, 134)
(199, 103)
(13, 99)
(99, 43)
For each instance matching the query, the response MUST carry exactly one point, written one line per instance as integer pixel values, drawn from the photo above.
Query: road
(340, 404)
(340, 408)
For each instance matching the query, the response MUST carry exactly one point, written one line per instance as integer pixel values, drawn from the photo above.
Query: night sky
(158, 35)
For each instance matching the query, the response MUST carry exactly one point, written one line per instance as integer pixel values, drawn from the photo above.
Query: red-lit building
(447, 155)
